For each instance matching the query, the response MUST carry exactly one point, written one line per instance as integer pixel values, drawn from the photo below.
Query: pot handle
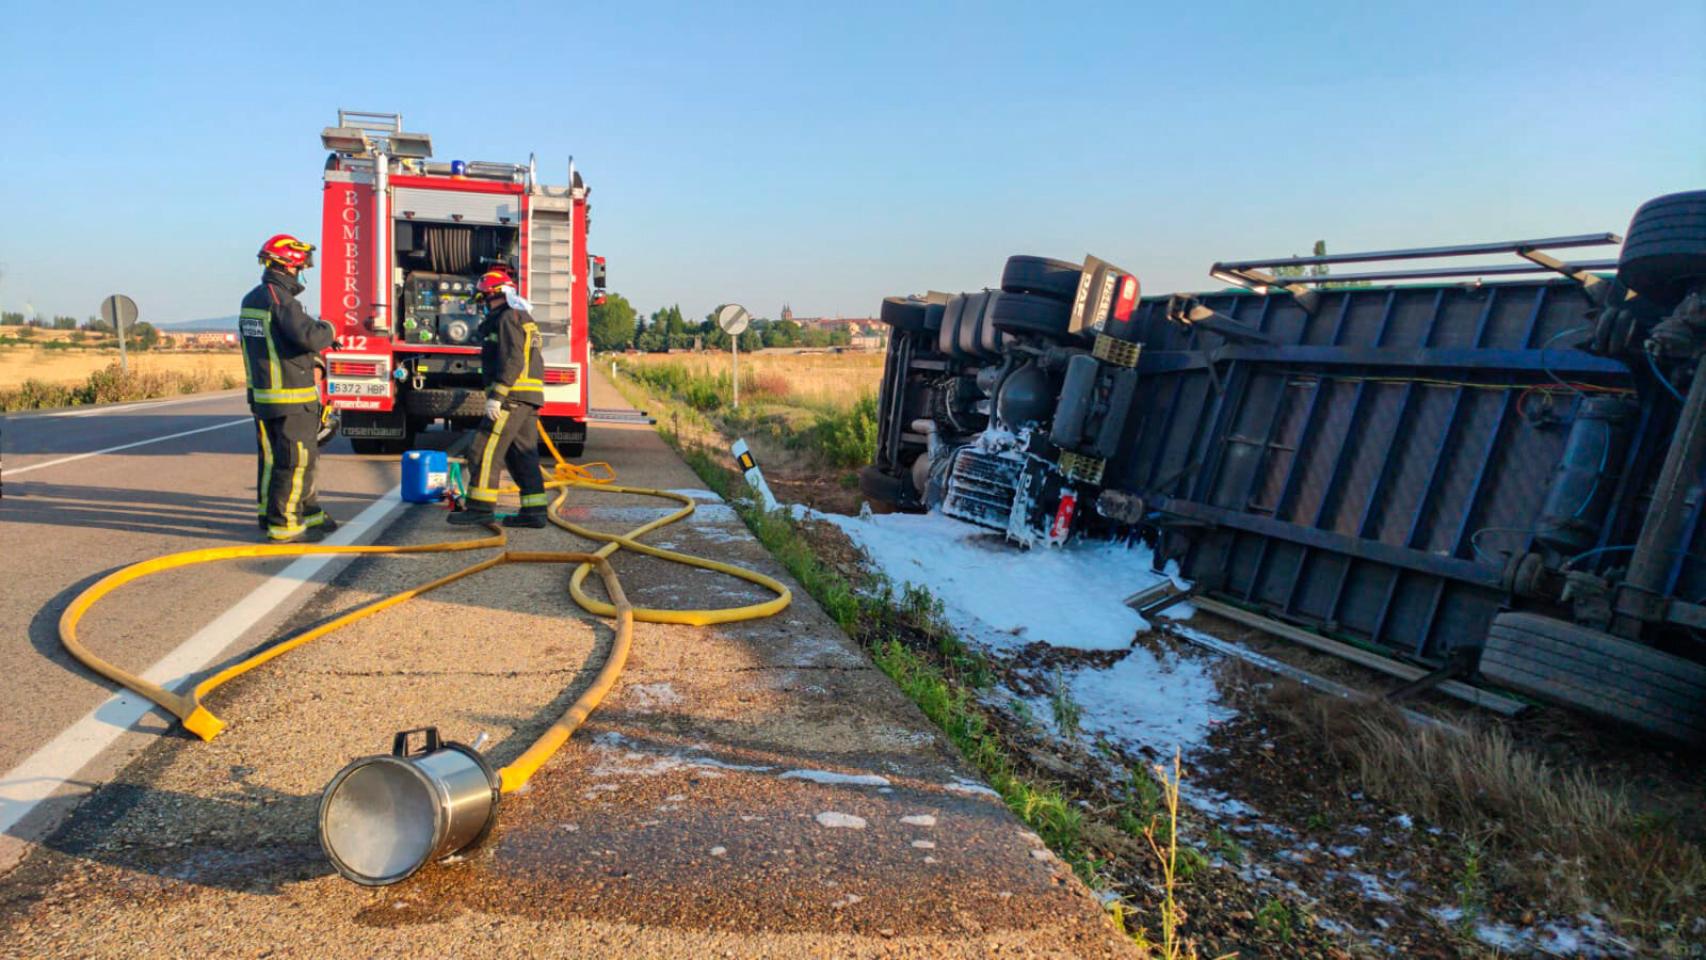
(400, 742)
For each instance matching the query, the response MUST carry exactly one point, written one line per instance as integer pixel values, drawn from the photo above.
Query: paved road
(76, 508)
(750, 790)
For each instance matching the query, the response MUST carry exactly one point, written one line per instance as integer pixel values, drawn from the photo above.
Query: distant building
(206, 341)
(856, 327)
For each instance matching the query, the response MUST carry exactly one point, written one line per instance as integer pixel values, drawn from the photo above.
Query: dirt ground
(1297, 860)
(20, 363)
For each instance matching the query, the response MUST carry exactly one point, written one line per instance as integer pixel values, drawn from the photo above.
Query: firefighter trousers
(507, 441)
(286, 496)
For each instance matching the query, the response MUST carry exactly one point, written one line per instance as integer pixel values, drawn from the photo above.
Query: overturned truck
(1486, 475)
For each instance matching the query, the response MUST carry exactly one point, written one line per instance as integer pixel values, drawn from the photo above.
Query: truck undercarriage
(1498, 480)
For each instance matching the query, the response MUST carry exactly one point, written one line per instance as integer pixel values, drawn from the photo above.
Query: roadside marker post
(754, 476)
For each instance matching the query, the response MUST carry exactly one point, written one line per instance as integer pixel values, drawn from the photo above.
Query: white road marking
(44, 772)
(99, 409)
(16, 471)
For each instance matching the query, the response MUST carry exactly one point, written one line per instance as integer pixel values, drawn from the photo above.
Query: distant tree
(751, 340)
(142, 336)
(610, 325)
(840, 337)
(814, 337)
(782, 333)
(1317, 270)
(11, 318)
(98, 325)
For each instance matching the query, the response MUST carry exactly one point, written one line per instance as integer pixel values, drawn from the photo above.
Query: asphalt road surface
(89, 490)
(753, 789)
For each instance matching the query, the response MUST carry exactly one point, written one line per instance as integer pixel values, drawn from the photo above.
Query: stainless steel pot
(384, 817)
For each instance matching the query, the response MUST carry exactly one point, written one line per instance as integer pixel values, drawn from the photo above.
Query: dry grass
(1563, 838)
(18, 364)
(822, 380)
(112, 385)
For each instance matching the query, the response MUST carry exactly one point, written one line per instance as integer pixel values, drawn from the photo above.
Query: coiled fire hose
(197, 719)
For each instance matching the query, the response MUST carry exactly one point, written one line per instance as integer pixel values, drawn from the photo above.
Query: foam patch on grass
(1067, 597)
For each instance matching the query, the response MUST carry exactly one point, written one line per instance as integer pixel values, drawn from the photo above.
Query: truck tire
(948, 332)
(434, 402)
(1665, 248)
(1599, 673)
(1055, 279)
(1030, 314)
(904, 314)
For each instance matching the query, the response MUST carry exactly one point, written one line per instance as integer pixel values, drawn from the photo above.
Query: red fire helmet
(493, 281)
(288, 251)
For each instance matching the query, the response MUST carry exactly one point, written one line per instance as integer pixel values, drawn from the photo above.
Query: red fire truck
(403, 240)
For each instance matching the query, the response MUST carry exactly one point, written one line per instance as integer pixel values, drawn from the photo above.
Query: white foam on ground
(831, 818)
(919, 820)
(827, 776)
(617, 758)
(1068, 597)
(698, 494)
(595, 517)
(650, 697)
(1003, 596)
(1163, 702)
(968, 787)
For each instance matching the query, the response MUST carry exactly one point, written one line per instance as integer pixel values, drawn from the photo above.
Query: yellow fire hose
(197, 719)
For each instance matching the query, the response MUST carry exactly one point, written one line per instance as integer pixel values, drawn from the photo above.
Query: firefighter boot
(309, 535)
(473, 517)
(531, 518)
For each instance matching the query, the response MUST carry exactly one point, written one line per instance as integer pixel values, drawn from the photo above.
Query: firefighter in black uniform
(513, 370)
(280, 342)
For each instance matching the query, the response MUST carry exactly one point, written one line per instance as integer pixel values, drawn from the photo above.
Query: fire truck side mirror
(598, 274)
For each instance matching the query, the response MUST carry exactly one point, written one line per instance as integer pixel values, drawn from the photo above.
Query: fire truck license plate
(357, 388)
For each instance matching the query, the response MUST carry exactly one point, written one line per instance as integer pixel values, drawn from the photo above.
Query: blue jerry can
(425, 474)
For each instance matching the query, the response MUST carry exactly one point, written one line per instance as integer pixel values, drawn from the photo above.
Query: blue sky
(830, 154)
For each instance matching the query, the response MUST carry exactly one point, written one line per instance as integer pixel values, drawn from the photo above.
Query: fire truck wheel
(904, 314)
(570, 451)
(1665, 249)
(1599, 673)
(1029, 314)
(1055, 279)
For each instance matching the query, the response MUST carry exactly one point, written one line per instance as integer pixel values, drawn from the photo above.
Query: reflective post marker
(754, 476)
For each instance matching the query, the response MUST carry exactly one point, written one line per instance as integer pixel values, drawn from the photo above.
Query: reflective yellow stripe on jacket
(288, 395)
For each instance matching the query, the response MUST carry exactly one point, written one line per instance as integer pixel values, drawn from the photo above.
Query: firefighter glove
(493, 405)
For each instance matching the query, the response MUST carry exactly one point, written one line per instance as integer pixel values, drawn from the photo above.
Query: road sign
(733, 319)
(120, 311)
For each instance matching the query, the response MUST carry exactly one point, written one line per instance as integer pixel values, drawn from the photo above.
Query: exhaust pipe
(384, 817)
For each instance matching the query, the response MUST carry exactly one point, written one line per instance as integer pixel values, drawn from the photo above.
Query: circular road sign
(118, 310)
(732, 319)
